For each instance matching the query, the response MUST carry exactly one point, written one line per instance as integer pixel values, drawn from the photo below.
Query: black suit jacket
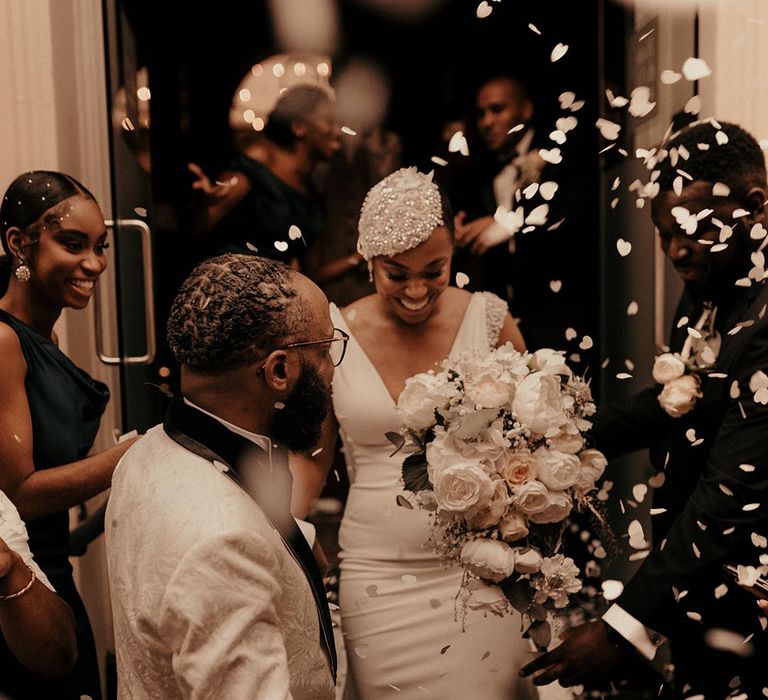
(710, 488)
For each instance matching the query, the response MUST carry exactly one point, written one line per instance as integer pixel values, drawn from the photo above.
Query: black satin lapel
(267, 482)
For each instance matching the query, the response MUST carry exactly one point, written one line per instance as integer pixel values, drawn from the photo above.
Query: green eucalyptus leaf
(518, 593)
(415, 477)
(404, 502)
(396, 439)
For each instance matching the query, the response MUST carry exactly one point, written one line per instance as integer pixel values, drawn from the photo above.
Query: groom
(215, 591)
(713, 459)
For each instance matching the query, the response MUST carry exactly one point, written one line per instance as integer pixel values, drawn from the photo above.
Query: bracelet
(19, 593)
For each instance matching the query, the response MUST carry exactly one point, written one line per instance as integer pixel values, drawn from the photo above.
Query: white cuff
(643, 638)
(308, 530)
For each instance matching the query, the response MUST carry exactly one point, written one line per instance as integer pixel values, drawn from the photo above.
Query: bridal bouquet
(496, 453)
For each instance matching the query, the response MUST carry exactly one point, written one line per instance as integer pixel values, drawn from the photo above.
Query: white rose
(556, 470)
(527, 561)
(538, 403)
(486, 390)
(550, 361)
(442, 452)
(593, 464)
(513, 526)
(479, 595)
(488, 559)
(519, 468)
(418, 401)
(490, 514)
(560, 504)
(567, 440)
(667, 367)
(679, 395)
(531, 497)
(461, 487)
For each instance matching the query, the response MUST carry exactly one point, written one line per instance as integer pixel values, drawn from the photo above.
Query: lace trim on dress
(495, 311)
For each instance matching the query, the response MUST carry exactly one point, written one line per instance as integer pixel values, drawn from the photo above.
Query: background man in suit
(708, 435)
(535, 250)
(215, 591)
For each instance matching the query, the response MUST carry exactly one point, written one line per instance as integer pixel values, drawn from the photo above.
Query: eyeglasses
(337, 345)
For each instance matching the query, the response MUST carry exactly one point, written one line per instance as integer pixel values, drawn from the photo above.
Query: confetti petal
(483, 10)
(558, 52)
(462, 280)
(624, 247)
(695, 69)
(669, 77)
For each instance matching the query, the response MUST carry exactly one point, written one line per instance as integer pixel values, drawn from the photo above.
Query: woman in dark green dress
(53, 232)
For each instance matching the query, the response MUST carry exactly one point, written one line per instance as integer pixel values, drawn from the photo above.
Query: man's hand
(587, 654)
(493, 235)
(466, 232)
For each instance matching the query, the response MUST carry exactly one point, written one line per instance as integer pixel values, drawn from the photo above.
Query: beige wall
(54, 117)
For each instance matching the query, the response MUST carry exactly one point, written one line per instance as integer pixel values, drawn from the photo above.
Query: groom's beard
(298, 425)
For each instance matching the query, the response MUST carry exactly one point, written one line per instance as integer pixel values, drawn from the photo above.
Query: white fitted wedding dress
(401, 624)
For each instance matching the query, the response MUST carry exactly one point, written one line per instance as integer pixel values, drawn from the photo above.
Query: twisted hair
(295, 104)
(738, 163)
(32, 194)
(231, 310)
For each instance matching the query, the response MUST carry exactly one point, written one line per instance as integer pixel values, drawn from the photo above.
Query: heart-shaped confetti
(556, 286)
(483, 10)
(462, 280)
(458, 144)
(624, 247)
(282, 246)
(633, 308)
(670, 77)
(570, 334)
(294, 232)
(552, 155)
(608, 129)
(566, 124)
(696, 68)
(657, 480)
(720, 189)
(566, 99)
(586, 343)
(548, 189)
(558, 52)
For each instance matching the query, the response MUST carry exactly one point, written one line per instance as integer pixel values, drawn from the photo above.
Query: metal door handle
(149, 299)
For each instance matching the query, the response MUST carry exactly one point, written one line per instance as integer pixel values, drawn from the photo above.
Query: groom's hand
(587, 654)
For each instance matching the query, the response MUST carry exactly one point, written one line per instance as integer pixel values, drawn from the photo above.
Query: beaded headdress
(399, 213)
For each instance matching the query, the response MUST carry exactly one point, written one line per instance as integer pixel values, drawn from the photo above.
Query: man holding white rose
(706, 424)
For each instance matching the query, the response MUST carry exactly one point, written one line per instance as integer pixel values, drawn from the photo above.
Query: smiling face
(706, 271)
(410, 283)
(68, 256)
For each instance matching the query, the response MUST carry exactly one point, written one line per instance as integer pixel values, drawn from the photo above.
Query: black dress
(65, 405)
(265, 215)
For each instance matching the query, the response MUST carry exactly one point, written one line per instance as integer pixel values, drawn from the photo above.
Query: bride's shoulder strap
(495, 311)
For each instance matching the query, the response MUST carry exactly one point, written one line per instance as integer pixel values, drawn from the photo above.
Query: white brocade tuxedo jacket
(208, 599)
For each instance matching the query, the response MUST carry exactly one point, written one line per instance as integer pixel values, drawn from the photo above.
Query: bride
(402, 625)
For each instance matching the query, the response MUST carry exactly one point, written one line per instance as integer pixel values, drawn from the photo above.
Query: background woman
(402, 632)
(53, 231)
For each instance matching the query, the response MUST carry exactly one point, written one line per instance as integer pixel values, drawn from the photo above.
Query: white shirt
(307, 529)
(14, 533)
